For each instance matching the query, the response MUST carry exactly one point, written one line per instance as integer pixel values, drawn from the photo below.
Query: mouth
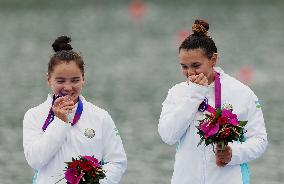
(66, 94)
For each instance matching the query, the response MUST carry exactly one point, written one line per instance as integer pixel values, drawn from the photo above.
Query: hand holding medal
(62, 106)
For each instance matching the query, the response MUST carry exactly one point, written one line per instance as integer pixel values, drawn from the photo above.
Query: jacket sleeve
(114, 157)
(179, 110)
(39, 146)
(256, 136)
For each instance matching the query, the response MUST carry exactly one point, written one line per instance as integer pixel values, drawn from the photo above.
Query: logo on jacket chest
(90, 133)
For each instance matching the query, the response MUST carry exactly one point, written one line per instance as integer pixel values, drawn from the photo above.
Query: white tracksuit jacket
(47, 151)
(177, 125)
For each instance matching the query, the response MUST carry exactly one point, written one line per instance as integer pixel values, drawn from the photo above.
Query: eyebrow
(59, 78)
(62, 78)
(75, 78)
(195, 63)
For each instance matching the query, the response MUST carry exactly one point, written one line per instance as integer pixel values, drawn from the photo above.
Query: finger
(192, 77)
(224, 154)
(201, 74)
(220, 163)
(223, 160)
(60, 113)
(225, 151)
(68, 108)
(219, 148)
(67, 103)
(64, 103)
(63, 112)
(199, 78)
(204, 82)
(219, 156)
(68, 98)
(58, 100)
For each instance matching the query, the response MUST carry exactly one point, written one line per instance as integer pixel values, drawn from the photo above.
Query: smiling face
(194, 62)
(66, 78)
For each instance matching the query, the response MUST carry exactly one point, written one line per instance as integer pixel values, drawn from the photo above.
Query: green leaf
(218, 112)
(242, 123)
(200, 142)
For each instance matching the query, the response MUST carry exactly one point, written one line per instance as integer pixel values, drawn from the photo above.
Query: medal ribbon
(204, 105)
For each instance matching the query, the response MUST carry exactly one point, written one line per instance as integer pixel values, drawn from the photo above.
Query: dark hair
(64, 53)
(200, 39)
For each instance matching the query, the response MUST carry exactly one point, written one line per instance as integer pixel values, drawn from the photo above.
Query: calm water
(129, 68)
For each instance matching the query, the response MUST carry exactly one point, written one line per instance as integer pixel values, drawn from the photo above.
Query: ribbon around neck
(204, 105)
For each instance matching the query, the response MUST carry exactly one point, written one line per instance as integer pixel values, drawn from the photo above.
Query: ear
(48, 79)
(214, 59)
(83, 83)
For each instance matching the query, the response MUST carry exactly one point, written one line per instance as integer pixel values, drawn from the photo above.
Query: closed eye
(184, 66)
(60, 81)
(76, 80)
(195, 65)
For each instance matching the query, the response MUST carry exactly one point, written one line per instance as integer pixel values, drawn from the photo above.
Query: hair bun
(200, 27)
(62, 43)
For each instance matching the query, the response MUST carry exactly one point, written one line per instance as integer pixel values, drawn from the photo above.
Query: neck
(211, 77)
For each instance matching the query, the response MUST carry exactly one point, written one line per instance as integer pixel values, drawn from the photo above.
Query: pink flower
(73, 176)
(93, 160)
(209, 128)
(232, 118)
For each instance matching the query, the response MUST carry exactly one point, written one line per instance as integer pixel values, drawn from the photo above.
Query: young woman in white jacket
(180, 114)
(69, 126)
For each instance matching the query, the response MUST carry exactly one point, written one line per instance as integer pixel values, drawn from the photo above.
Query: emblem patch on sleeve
(257, 104)
(116, 132)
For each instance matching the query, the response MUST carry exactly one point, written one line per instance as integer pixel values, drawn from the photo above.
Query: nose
(67, 87)
(190, 72)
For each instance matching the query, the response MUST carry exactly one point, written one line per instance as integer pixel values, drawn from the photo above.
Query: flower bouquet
(221, 126)
(84, 170)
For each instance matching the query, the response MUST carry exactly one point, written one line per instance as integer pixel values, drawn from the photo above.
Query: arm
(114, 155)
(179, 110)
(256, 137)
(39, 146)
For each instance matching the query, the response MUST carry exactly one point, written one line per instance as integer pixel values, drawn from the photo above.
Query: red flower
(226, 133)
(86, 166)
(222, 120)
(93, 160)
(74, 164)
(85, 169)
(93, 173)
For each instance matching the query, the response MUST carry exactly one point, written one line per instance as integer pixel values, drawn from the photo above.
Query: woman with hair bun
(181, 113)
(66, 125)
